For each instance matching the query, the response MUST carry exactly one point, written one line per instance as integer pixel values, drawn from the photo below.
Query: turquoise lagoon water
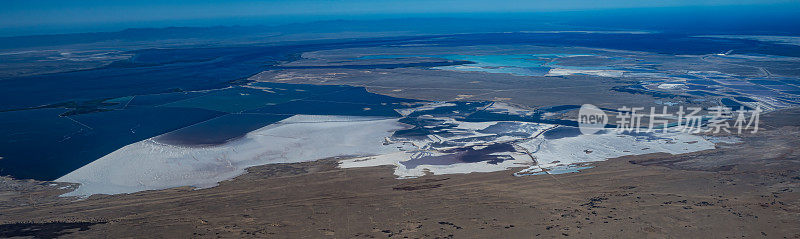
(518, 64)
(515, 64)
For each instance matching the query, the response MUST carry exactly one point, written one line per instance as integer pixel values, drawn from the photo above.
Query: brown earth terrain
(745, 190)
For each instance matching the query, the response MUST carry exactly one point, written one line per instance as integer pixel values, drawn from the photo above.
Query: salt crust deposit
(789, 40)
(566, 72)
(552, 153)
(506, 108)
(607, 145)
(670, 86)
(532, 151)
(149, 165)
(519, 160)
(430, 106)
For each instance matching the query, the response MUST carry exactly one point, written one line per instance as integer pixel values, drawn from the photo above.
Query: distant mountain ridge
(691, 21)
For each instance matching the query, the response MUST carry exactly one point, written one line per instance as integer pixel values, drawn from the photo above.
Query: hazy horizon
(55, 17)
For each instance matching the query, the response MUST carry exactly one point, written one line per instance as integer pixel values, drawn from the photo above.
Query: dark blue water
(562, 132)
(734, 105)
(460, 110)
(219, 130)
(704, 93)
(482, 116)
(339, 100)
(560, 108)
(767, 82)
(744, 99)
(702, 82)
(791, 81)
(784, 87)
(699, 87)
(463, 155)
(39, 144)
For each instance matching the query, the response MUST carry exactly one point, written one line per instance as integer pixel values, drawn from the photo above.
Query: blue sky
(40, 15)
